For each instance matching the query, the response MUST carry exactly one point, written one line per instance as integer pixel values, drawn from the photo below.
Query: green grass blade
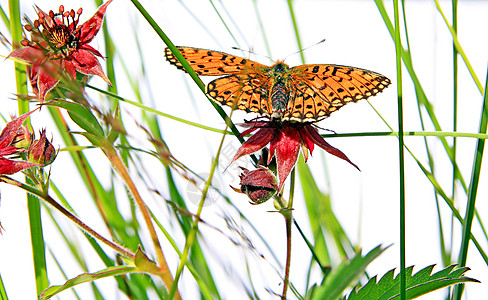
(20, 69)
(4, 17)
(185, 65)
(295, 28)
(421, 96)
(341, 277)
(223, 22)
(460, 50)
(398, 48)
(473, 189)
(3, 292)
(33, 206)
(87, 277)
(446, 256)
(109, 54)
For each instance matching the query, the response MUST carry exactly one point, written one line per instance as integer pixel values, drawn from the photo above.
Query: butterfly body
(306, 93)
(279, 92)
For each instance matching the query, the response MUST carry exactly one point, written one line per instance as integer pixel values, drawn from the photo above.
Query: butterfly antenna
(302, 50)
(251, 52)
(329, 130)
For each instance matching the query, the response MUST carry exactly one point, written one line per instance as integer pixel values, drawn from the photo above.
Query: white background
(365, 202)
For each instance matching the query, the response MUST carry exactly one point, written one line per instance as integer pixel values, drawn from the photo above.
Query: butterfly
(306, 93)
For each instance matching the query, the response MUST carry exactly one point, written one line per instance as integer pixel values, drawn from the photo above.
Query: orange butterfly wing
(245, 88)
(247, 92)
(319, 90)
(212, 63)
(313, 91)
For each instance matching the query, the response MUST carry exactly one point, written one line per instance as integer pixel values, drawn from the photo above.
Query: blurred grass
(328, 236)
(33, 204)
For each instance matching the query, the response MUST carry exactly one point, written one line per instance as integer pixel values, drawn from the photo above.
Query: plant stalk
(118, 248)
(120, 168)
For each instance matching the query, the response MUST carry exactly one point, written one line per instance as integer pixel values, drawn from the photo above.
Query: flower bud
(41, 151)
(259, 185)
(23, 138)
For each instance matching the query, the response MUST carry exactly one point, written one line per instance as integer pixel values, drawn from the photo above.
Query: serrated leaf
(341, 277)
(81, 116)
(419, 284)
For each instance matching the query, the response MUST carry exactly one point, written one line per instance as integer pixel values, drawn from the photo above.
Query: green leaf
(338, 279)
(86, 277)
(81, 116)
(417, 285)
(142, 265)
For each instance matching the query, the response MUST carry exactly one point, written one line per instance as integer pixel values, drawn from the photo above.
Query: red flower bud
(23, 138)
(259, 185)
(41, 151)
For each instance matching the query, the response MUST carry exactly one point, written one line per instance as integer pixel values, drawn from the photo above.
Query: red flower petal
(10, 131)
(28, 54)
(90, 28)
(287, 150)
(255, 143)
(70, 68)
(273, 143)
(86, 63)
(9, 167)
(313, 134)
(9, 150)
(92, 50)
(47, 79)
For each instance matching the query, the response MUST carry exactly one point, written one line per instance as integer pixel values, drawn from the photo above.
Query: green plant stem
(460, 50)
(33, 205)
(20, 68)
(398, 47)
(119, 249)
(295, 28)
(190, 240)
(120, 168)
(185, 65)
(288, 215)
(447, 255)
(473, 189)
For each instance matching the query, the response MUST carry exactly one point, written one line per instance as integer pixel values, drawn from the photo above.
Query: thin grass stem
(398, 56)
(190, 240)
(473, 189)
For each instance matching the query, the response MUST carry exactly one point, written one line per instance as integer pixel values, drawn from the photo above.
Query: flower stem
(192, 235)
(120, 168)
(118, 248)
(288, 215)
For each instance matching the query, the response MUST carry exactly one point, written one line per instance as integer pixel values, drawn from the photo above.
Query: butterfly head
(278, 69)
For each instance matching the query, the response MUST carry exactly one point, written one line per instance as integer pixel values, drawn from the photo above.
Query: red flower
(284, 139)
(61, 44)
(12, 136)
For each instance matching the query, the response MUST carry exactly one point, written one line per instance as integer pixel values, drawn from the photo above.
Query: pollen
(59, 35)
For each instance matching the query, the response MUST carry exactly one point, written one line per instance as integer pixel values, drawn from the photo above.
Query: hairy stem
(287, 214)
(118, 248)
(120, 168)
